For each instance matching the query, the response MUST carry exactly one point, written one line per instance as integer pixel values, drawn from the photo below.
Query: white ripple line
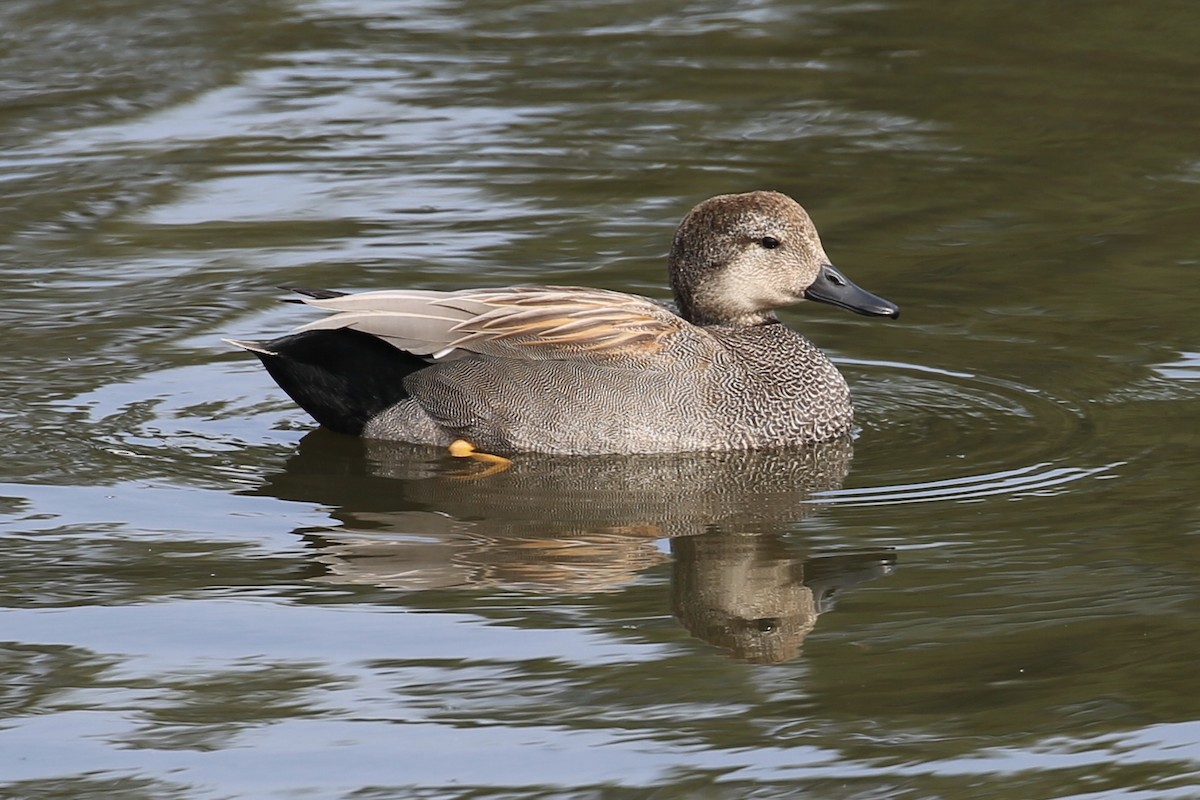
(889, 496)
(865, 362)
(902, 487)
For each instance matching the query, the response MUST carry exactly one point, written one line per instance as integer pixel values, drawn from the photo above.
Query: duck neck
(707, 295)
(698, 311)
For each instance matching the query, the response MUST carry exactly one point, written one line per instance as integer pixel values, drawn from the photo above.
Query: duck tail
(342, 378)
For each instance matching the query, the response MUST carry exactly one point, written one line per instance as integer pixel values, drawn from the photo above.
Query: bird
(493, 372)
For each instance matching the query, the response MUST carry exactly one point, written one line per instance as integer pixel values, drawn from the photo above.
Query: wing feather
(528, 322)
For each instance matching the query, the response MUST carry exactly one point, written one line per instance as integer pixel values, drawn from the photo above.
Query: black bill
(832, 287)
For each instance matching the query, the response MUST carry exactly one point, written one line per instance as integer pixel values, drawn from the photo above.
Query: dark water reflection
(198, 598)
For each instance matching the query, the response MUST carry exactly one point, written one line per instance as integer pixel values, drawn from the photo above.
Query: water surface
(991, 592)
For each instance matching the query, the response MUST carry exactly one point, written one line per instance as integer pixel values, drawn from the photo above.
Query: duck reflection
(413, 519)
(754, 597)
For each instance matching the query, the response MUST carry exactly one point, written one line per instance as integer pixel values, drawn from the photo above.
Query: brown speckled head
(737, 257)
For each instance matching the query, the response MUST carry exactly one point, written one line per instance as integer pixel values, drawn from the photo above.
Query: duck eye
(768, 242)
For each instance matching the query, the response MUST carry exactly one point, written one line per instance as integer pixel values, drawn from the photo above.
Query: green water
(993, 595)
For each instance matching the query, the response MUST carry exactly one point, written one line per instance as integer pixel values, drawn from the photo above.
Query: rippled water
(991, 593)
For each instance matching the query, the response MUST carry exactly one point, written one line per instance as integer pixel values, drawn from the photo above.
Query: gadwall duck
(572, 370)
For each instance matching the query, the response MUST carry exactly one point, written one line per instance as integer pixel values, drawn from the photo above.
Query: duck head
(738, 257)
